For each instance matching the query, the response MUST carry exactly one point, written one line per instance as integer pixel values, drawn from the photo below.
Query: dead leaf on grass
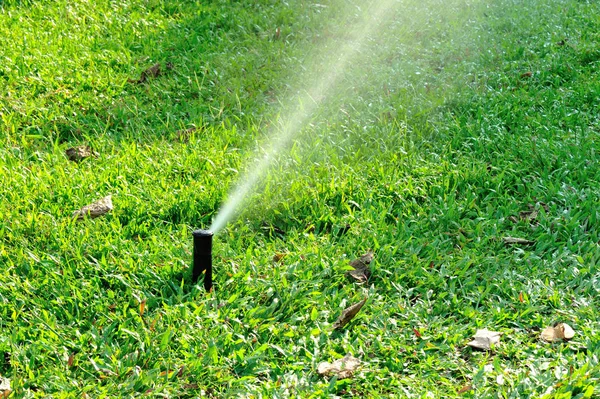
(361, 271)
(342, 368)
(348, 314)
(142, 307)
(464, 389)
(77, 154)
(278, 257)
(485, 339)
(95, 209)
(526, 75)
(152, 72)
(561, 331)
(517, 241)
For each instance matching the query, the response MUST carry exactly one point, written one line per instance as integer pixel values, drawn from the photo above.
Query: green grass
(458, 116)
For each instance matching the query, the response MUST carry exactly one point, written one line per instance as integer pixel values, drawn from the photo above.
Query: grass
(457, 117)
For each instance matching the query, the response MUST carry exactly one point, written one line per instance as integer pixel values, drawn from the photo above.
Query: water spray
(203, 257)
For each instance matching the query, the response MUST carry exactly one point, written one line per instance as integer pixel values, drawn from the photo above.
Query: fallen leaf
(142, 307)
(278, 257)
(521, 299)
(348, 314)
(151, 72)
(561, 42)
(342, 368)
(95, 209)
(526, 75)
(77, 154)
(464, 389)
(562, 331)
(417, 333)
(71, 360)
(484, 339)
(517, 241)
(361, 271)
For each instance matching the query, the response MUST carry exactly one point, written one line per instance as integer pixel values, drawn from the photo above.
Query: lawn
(429, 137)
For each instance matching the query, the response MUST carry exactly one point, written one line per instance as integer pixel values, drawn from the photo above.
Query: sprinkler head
(203, 257)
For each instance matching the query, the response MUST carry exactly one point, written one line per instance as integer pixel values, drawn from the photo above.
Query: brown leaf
(71, 360)
(95, 209)
(562, 331)
(278, 257)
(521, 299)
(361, 271)
(464, 389)
(526, 75)
(484, 339)
(77, 154)
(142, 307)
(517, 241)
(348, 314)
(152, 72)
(342, 368)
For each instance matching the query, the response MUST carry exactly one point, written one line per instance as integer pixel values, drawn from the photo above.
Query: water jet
(203, 257)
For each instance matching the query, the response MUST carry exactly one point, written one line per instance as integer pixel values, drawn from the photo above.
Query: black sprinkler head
(203, 257)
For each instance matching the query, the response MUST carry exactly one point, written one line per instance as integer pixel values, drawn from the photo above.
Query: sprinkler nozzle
(203, 257)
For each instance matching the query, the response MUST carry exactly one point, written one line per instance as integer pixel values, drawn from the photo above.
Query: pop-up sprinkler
(203, 257)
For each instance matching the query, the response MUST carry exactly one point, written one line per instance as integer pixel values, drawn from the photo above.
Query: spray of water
(321, 87)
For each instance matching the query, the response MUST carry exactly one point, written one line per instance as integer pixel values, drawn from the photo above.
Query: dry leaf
(151, 72)
(562, 331)
(361, 271)
(517, 241)
(71, 360)
(342, 368)
(278, 257)
(464, 389)
(77, 154)
(96, 209)
(526, 75)
(484, 339)
(348, 314)
(142, 307)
